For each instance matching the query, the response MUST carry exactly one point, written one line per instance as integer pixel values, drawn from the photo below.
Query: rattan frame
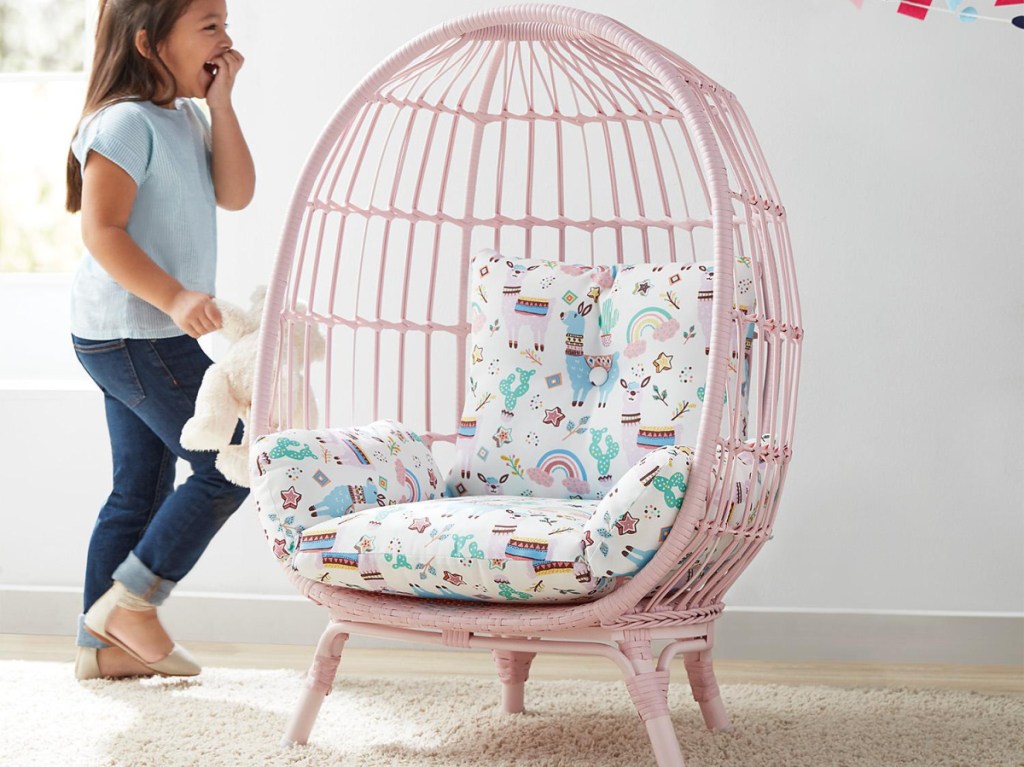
(671, 157)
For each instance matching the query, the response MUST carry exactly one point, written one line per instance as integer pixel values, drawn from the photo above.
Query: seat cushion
(304, 476)
(488, 548)
(577, 372)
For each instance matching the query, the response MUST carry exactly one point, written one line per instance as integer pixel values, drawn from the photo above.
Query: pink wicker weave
(547, 131)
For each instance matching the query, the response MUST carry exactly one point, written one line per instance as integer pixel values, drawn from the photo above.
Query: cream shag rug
(235, 718)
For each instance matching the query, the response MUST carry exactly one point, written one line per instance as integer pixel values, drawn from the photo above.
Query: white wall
(896, 146)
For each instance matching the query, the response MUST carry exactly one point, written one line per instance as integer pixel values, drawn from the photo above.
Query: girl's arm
(234, 175)
(108, 193)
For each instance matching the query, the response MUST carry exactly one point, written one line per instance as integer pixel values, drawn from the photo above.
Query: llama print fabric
(488, 548)
(578, 372)
(586, 385)
(305, 477)
(342, 507)
(635, 518)
(503, 548)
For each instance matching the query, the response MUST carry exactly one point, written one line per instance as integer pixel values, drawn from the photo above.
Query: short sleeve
(122, 134)
(200, 116)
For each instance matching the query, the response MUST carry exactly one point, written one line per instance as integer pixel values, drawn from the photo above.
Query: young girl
(147, 171)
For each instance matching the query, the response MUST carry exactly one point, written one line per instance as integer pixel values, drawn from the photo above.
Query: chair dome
(543, 132)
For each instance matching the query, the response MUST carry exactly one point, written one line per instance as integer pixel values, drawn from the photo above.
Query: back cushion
(576, 372)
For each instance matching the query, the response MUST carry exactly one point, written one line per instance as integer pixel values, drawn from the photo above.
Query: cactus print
(586, 386)
(614, 369)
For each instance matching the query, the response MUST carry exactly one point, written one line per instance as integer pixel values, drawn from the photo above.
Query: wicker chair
(558, 133)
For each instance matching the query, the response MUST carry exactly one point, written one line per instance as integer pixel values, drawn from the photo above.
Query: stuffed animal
(225, 395)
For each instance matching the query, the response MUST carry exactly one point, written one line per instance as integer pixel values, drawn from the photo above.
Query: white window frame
(35, 350)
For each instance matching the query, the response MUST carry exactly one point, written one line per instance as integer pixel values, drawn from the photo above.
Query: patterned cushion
(577, 372)
(389, 535)
(533, 425)
(307, 476)
(635, 518)
(726, 547)
(489, 548)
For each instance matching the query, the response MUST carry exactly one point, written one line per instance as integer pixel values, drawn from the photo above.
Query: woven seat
(545, 134)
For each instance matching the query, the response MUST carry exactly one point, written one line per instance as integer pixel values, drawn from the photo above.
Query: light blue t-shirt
(173, 220)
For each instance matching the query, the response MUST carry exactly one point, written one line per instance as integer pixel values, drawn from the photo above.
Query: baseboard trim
(750, 634)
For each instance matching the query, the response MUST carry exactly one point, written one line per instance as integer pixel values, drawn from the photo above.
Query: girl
(147, 170)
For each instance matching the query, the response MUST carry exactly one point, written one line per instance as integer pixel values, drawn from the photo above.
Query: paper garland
(918, 9)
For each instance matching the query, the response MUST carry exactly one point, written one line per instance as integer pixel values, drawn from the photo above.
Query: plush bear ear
(257, 297)
(317, 344)
(236, 322)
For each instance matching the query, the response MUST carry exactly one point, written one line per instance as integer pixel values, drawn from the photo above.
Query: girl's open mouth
(211, 68)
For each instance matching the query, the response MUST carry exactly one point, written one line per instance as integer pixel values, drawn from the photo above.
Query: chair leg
(319, 681)
(513, 670)
(705, 691)
(648, 689)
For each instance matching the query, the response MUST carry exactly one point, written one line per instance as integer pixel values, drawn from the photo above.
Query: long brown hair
(120, 72)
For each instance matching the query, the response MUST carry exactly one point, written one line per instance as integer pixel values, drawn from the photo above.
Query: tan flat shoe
(86, 665)
(178, 662)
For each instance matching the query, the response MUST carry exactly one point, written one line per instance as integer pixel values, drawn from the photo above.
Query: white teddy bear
(225, 394)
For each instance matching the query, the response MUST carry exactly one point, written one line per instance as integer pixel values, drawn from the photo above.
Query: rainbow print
(357, 452)
(562, 462)
(412, 482)
(649, 319)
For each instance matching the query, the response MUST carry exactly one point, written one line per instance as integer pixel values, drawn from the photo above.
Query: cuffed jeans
(148, 534)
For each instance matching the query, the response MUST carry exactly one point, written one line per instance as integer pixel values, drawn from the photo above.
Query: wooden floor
(994, 680)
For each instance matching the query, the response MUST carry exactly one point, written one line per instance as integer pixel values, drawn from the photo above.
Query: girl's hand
(195, 313)
(219, 92)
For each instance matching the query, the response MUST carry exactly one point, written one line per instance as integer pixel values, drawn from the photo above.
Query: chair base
(705, 690)
(646, 680)
(319, 681)
(514, 671)
(664, 742)
(715, 716)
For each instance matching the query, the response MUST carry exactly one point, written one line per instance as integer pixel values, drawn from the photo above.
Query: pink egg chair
(551, 133)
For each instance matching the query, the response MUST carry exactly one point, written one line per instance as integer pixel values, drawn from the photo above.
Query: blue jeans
(148, 534)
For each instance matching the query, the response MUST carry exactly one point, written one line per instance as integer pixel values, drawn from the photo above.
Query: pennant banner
(963, 10)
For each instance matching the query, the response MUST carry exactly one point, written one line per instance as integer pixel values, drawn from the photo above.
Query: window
(44, 45)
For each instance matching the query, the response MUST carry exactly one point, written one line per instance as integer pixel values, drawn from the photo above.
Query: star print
(594, 293)
(642, 288)
(626, 524)
(502, 437)
(478, 354)
(291, 498)
(454, 578)
(419, 524)
(554, 416)
(663, 363)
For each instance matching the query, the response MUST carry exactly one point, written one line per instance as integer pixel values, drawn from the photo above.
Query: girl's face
(198, 37)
